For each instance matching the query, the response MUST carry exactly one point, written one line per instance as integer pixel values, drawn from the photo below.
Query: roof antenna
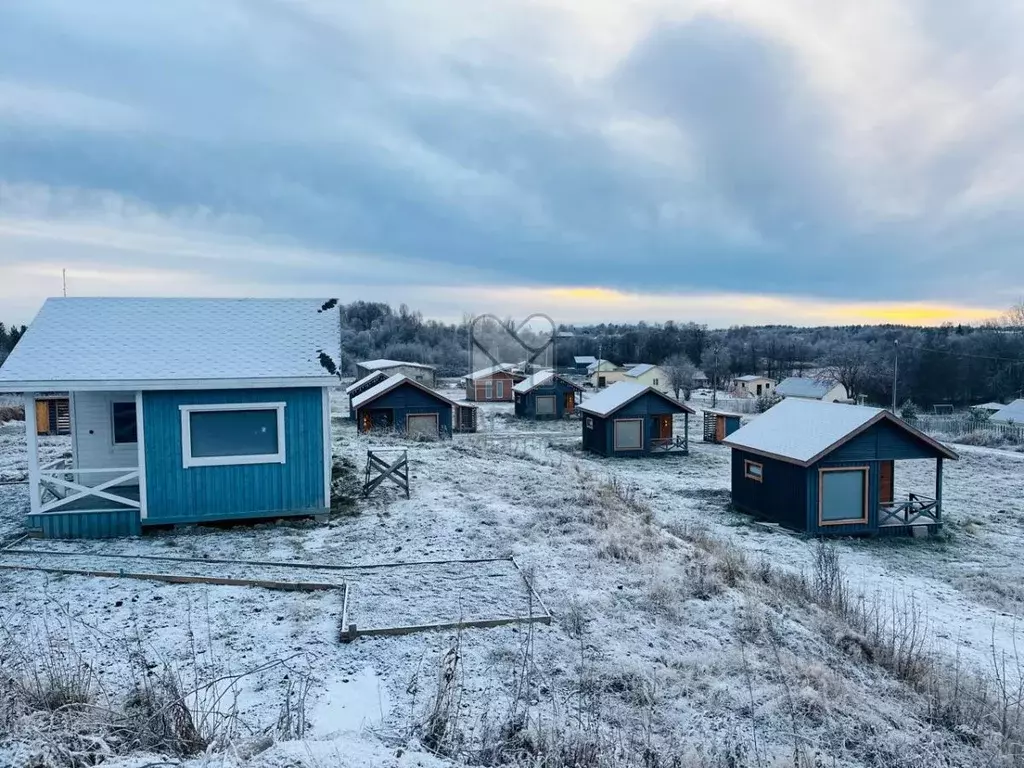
(64, 279)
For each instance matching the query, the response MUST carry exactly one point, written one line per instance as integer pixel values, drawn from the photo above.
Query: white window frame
(188, 460)
(615, 435)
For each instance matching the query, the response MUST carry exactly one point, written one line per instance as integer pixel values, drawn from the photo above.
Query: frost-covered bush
(766, 401)
(909, 410)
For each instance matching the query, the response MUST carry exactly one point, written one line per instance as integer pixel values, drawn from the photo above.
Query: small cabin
(581, 363)
(832, 469)
(546, 395)
(404, 406)
(718, 425)
(493, 384)
(421, 372)
(825, 390)
(651, 375)
(53, 415)
(753, 386)
(182, 411)
(630, 419)
(466, 418)
(362, 385)
(604, 373)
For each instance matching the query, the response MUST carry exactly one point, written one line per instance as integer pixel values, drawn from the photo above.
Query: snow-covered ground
(658, 648)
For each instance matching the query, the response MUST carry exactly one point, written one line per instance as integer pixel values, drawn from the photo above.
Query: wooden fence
(959, 426)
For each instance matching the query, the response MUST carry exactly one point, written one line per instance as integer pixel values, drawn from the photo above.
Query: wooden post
(938, 489)
(32, 441)
(140, 437)
(686, 432)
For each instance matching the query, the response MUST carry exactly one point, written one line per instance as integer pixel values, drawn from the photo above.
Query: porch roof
(154, 343)
(804, 431)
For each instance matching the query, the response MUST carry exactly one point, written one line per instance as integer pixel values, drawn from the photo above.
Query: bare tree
(681, 372)
(1015, 317)
(849, 364)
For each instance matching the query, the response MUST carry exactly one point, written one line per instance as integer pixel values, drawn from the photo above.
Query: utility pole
(64, 280)
(895, 372)
(714, 382)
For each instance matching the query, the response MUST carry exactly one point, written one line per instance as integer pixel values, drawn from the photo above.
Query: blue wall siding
(781, 496)
(107, 524)
(407, 399)
(176, 494)
(884, 440)
(648, 407)
(526, 405)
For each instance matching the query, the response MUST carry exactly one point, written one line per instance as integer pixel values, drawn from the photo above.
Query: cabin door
(570, 402)
(42, 417)
(886, 482)
(663, 427)
(719, 428)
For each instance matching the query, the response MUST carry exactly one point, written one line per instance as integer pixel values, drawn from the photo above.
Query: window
(590, 423)
(125, 425)
(421, 425)
(489, 390)
(236, 433)
(753, 470)
(656, 382)
(843, 496)
(545, 405)
(499, 390)
(629, 434)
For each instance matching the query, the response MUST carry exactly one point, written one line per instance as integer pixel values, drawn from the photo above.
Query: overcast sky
(725, 161)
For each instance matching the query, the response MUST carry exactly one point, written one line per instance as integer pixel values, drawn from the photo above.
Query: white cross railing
(57, 483)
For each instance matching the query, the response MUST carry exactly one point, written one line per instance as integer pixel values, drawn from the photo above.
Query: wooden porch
(665, 441)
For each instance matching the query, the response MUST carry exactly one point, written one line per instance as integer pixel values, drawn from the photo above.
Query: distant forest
(954, 364)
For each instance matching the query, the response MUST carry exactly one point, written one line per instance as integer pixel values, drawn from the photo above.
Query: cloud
(853, 153)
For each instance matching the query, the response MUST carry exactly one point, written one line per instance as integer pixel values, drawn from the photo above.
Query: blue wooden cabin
(830, 469)
(545, 395)
(718, 425)
(630, 419)
(404, 406)
(362, 385)
(182, 411)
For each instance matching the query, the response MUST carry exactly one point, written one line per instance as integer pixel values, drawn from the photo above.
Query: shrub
(909, 410)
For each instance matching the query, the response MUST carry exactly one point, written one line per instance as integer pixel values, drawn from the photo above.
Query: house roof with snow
(584, 359)
(621, 394)
(799, 386)
(384, 363)
(392, 382)
(803, 431)
(367, 381)
(540, 379)
(1014, 412)
(640, 370)
(990, 407)
(604, 365)
(751, 377)
(119, 344)
(490, 370)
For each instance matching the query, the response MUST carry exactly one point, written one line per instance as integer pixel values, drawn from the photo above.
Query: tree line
(9, 337)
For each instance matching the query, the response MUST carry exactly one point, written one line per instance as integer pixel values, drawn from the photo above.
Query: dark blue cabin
(630, 419)
(829, 469)
(399, 404)
(545, 395)
(362, 385)
(582, 362)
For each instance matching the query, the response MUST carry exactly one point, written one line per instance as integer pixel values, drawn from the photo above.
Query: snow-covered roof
(148, 343)
(802, 431)
(622, 393)
(383, 363)
(1013, 412)
(581, 359)
(798, 386)
(640, 370)
(751, 377)
(390, 383)
(604, 365)
(490, 370)
(539, 379)
(371, 378)
(991, 407)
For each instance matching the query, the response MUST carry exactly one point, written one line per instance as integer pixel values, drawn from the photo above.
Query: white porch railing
(60, 483)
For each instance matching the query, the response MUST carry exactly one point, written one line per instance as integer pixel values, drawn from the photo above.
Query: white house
(650, 375)
(753, 386)
(812, 389)
(424, 374)
(604, 373)
(1010, 414)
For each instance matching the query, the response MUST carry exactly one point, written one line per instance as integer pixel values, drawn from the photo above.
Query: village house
(603, 373)
(357, 388)
(649, 375)
(546, 395)
(1010, 414)
(493, 384)
(825, 390)
(424, 374)
(582, 362)
(828, 468)
(629, 419)
(181, 411)
(404, 406)
(753, 386)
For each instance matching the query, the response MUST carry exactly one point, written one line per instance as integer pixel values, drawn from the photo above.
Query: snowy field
(662, 638)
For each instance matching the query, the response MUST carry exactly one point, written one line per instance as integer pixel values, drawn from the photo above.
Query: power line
(1014, 360)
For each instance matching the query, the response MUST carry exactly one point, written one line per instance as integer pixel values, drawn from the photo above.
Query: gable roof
(483, 373)
(603, 365)
(993, 407)
(393, 382)
(148, 343)
(803, 431)
(381, 363)
(1013, 412)
(369, 380)
(541, 378)
(622, 393)
(751, 377)
(801, 386)
(640, 370)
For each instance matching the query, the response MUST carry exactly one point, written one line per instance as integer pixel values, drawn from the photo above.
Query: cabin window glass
(590, 423)
(546, 405)
(125, 425)
(421, 425)
(843, 496)
(499, 390)
(489, 390)
(219, 435)
(753, 470)
(629, 434)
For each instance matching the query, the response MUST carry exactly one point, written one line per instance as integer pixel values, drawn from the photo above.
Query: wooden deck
(916, 510)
